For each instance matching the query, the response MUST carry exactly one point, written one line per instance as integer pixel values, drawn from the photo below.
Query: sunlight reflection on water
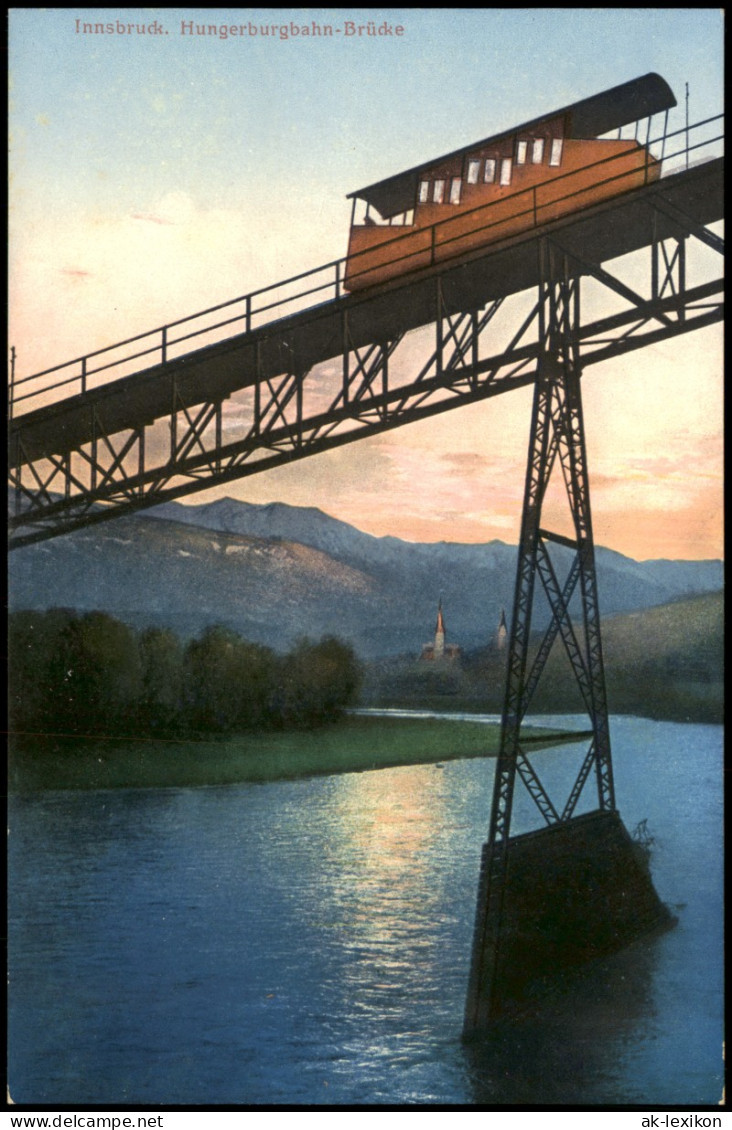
(308, 942)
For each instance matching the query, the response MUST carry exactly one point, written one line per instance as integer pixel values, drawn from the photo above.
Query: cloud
(75, 273)
(152, 264)
(148, 217)
(465, 461)
(691, 531)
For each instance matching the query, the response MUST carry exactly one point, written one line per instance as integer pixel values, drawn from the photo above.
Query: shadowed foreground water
(308, 942)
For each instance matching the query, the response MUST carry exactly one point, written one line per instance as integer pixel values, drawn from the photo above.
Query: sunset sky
(153, 175)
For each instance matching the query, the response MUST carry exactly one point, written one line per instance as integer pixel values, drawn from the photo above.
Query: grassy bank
(354, 744)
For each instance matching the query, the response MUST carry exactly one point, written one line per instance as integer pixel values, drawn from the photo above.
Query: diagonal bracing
(479, 348)
(556, 449)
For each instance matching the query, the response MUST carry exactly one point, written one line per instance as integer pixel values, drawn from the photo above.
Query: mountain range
(278, 572)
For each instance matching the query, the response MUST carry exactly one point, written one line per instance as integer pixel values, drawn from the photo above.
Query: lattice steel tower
(504, 970)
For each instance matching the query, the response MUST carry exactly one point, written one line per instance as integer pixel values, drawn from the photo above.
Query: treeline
(89, 673)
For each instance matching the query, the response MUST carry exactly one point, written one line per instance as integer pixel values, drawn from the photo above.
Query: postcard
(365, 570)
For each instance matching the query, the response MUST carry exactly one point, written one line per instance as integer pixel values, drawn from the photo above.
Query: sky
(155, 174)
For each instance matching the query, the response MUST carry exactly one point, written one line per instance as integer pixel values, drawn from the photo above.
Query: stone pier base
(574, 892)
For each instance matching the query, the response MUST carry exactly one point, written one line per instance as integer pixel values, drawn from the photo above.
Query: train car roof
(590, 117)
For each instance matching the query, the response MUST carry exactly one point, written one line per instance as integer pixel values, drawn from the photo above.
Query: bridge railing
(669, 152)
(175, 339)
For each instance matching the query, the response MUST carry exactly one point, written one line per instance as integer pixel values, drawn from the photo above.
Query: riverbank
(354, 744)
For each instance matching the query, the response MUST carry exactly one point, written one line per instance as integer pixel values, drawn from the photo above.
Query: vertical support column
(17, 461)
(141, 459)
(11, 384)
(174, 421)
(483, 989)
(474, 347)
(654, 257)
(588, 583)
(346, 355)
(438, 326)
(94, 452)
(569, 428)
(557, 430)
(299, 378)
(257, 422)
(219, 434)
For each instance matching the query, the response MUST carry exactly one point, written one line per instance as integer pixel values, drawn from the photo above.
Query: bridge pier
(572, 893)
(573, 889)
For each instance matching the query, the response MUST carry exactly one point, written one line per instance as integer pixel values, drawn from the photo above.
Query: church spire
(440, 650)
(501, 632)
(440, 633)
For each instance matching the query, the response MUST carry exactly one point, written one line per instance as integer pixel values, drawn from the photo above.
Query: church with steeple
(439, 651)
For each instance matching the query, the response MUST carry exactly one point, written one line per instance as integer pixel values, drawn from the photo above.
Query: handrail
(533, 210)
(335, 272)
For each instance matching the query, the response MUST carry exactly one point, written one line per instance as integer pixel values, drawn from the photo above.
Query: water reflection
(308, 942)
(387, 821)
(570, 1050)
(382, 889)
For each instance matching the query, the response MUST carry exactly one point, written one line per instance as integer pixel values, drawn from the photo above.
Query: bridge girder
(201, 442)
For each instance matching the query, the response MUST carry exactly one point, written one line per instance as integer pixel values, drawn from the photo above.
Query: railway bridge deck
(109, 444)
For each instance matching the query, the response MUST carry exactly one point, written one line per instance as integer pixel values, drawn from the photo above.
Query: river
(308, 942)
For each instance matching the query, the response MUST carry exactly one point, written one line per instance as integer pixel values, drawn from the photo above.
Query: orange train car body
(504, 185)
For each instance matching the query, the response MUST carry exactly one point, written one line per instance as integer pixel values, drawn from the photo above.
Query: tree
(161, 661)
(228, 682)
(317, 681)
(102, 676)
(91, 674)
(36, 683)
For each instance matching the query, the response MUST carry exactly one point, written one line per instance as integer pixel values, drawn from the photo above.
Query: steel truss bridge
(301, 367)
(173, 421)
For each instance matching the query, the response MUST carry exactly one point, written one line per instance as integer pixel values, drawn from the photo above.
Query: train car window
(555, 157)
(537, 151)
(438, 193)
(521, 152)
(490, 171)
(455, 187)
(506, 171)
(473, 171)
(424, 191)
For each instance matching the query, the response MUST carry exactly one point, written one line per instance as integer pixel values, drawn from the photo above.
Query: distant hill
(277, 572)
(668, 662)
